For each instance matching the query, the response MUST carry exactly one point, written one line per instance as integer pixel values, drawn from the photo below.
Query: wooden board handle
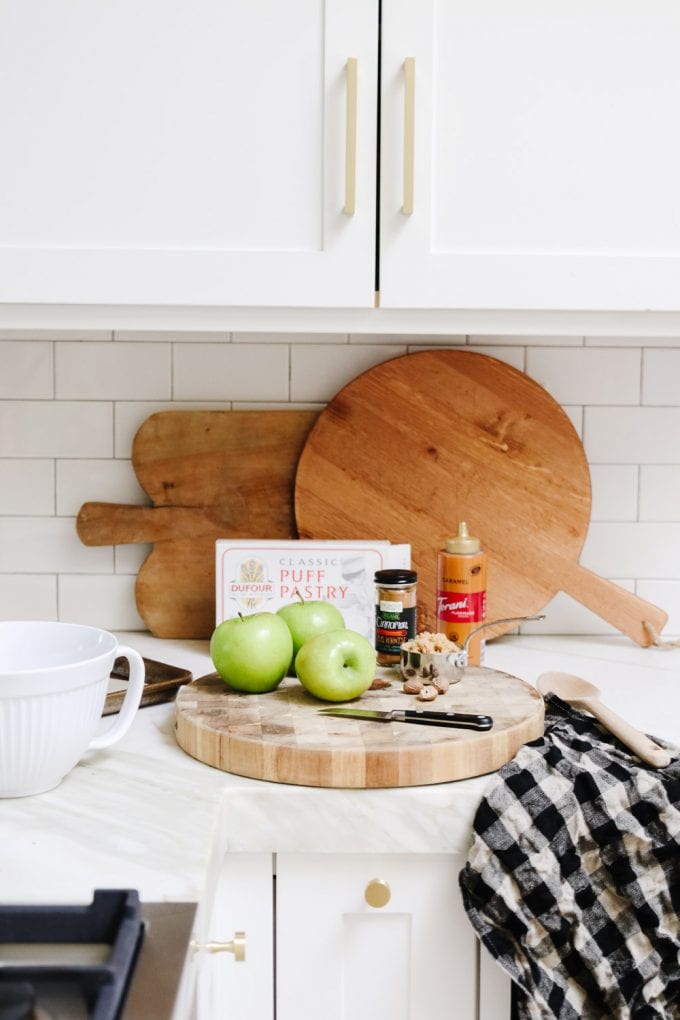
(118, 524)
(624, 610)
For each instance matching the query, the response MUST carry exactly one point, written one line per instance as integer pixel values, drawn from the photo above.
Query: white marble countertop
(145, 815)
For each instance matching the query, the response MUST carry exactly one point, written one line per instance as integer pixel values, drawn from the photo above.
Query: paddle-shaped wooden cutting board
(421, 442)
(210, 475)
(281, 736)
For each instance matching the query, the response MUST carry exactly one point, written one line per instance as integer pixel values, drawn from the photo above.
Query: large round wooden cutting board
(421, 442)
(281, 736)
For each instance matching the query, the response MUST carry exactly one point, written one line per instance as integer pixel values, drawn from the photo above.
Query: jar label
(461, 607)
(393, 628)
(390, 607)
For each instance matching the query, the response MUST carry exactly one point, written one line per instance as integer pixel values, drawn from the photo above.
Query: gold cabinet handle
(237, 946)
(351, 75)
(377, 893)
(409, 132)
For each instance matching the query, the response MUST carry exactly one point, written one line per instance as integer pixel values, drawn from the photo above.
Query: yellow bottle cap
(463, 542)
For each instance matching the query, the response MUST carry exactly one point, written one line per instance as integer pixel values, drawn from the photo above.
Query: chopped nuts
(428, 642)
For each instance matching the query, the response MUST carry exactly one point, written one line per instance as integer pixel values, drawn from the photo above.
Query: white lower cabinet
(226, 986)
(345, 937)
(368, 937)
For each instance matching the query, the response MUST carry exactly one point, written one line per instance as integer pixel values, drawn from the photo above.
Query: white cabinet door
(228, 988)
(187, 152)
(337, 957)
(495, 989)
(546, 166)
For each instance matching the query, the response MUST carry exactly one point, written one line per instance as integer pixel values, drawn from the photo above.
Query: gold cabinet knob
(377, 893)
(237, 946)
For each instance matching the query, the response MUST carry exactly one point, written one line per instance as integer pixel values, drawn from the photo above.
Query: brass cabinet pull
(351, 75)
(237, 946)
(377, 893)
(409, 132)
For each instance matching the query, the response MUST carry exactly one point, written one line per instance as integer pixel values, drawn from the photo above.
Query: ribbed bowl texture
(53, 683)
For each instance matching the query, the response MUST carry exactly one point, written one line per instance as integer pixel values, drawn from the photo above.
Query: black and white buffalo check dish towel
(573, 877)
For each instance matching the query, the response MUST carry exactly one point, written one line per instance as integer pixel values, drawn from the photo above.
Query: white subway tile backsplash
(155, 336)
(665, 595)
(407, 339)
(104, 481)
(661, 377)
(660, 492)
(26, 487)
(575, 416)
(614, 492)
(632, 341)
(129, 558)
(48, 545)
(319, 371)
(112, 371)
(510, 355)
(26, 370)
(588, 375)
(638, 550)
(46, 428)
(92, 599)
(514, 356)
(55, 334)
(62, 447)
(527, 341)
(632, 435)
(230, 371)
(28, 596)
(564, 615)
(290, 338)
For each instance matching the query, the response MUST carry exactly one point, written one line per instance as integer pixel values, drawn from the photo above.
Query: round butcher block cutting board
(281, 737)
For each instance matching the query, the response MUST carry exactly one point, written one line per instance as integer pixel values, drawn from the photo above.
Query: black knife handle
(458, 720)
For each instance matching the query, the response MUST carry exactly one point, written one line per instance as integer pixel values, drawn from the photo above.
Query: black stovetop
(114, 959)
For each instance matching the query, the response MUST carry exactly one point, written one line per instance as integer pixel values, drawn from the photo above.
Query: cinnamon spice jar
(395, 613)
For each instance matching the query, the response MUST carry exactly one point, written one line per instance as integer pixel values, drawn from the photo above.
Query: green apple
(336, 666)
(252, 653)
(306, 619)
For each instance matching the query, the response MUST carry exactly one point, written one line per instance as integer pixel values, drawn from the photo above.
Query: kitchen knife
(454, 720)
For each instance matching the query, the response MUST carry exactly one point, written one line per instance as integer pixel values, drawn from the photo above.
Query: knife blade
(454, 720)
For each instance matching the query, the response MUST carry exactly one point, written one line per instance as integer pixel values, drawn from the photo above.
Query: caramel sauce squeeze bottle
(461, 590)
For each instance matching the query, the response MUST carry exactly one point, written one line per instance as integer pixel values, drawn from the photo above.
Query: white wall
(70, 403)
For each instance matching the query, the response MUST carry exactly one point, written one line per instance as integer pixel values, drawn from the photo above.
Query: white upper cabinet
(184, 152)
(222, 153)
(545, 162)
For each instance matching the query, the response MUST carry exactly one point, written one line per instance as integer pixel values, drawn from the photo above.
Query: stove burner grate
(69, 961)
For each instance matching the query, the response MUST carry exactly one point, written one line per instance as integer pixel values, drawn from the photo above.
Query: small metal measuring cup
(448, 665)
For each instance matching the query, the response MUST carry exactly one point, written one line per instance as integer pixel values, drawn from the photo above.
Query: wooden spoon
(584, 695)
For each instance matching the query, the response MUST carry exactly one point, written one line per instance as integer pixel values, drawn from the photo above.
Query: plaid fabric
(573, 877)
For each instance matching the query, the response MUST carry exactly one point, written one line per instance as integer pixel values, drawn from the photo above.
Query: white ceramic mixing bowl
(53, 683)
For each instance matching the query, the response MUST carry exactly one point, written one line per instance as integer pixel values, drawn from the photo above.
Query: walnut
(413, 685)
(441, 684)
(427, 694)
(379, 684)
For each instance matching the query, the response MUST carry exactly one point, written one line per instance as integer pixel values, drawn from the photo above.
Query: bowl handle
(128, 709)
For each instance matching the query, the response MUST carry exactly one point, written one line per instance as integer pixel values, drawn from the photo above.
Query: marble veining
(145, 815)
